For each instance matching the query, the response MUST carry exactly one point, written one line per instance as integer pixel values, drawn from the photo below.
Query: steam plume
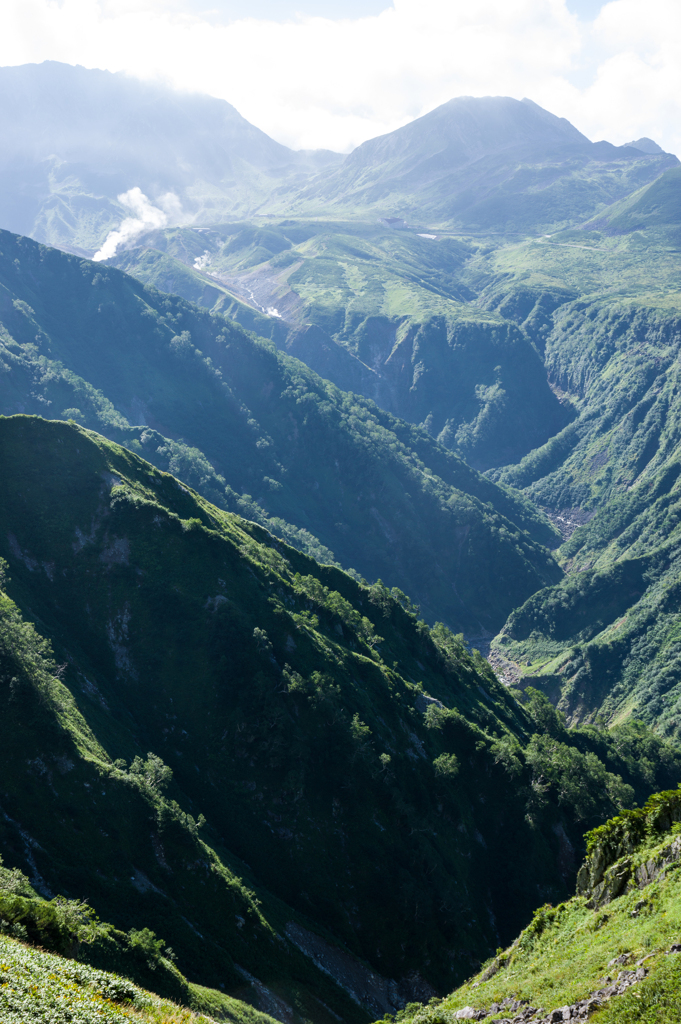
(147, 217)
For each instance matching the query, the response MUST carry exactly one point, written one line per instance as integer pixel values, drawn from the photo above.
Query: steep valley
(381, 313)
(272, 465)
(260, 433)
(316, 725)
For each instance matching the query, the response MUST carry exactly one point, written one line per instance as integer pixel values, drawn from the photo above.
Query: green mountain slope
(248, 424)
(38, 986)
(93, 970)
(611, 953)
(606, 641)
(380, 313)
(656, 204)
(357, 771)
(487, 163)
(603, 641)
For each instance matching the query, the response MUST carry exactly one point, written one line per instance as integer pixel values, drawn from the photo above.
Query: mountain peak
(467, 128)
(645, 145)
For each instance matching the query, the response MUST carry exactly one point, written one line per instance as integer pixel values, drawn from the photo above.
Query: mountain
(269, 765)
(259, 433)
(603, 642)
(482, 164)
(74, 139)
(655, 205)
(611, 952)
(380, 313)
(223, 742)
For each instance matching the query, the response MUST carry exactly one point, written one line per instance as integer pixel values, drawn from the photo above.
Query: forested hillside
(204, 671)
(258, 432)
(260, 472)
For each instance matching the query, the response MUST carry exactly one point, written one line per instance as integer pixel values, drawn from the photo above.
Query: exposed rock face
(366, 987)
(611, 868)
(624, 876)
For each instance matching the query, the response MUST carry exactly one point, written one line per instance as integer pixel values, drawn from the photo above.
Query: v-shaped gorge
(258, 432)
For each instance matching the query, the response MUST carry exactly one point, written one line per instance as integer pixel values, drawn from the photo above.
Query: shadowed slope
(350, 762)
(248, 422)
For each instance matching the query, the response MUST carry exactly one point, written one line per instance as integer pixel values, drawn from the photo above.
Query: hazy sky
(335, 72)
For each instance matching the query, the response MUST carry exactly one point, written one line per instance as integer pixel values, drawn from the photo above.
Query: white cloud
(313, 82)
(147, 218)
(637, 88)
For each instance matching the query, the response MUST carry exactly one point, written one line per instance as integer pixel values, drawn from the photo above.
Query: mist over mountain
(75, 138)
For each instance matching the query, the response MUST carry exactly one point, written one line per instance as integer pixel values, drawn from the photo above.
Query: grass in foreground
(40, 987)
(566, 952)
(657, 1000)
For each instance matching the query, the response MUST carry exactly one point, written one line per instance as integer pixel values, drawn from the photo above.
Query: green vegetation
(603, 642)
(628, 910)
(259, 433)
(289, 702)
(39, 986)
(72, 986)
(601, 308)
(378, 312)
(655, 204)
(280, 789)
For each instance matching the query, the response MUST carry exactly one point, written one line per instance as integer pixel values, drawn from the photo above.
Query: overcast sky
(332, 73)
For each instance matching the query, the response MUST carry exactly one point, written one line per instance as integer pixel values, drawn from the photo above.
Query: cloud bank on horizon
(312, 81)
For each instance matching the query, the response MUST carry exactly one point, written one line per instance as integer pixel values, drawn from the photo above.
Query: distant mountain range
(75, 139)
(481, 164)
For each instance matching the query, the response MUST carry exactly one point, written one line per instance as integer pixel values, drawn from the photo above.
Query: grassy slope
(185, 631)
(378, 493)
(423, 172)
(393, 322)
(654, 204)
(87, 968)
(36, 986)
(565, 953)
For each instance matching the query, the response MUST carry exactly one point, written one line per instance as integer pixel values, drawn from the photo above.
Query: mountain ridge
(76, 138)
(450, 168)
(256, 424)
(275, 710)
(96, 136)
